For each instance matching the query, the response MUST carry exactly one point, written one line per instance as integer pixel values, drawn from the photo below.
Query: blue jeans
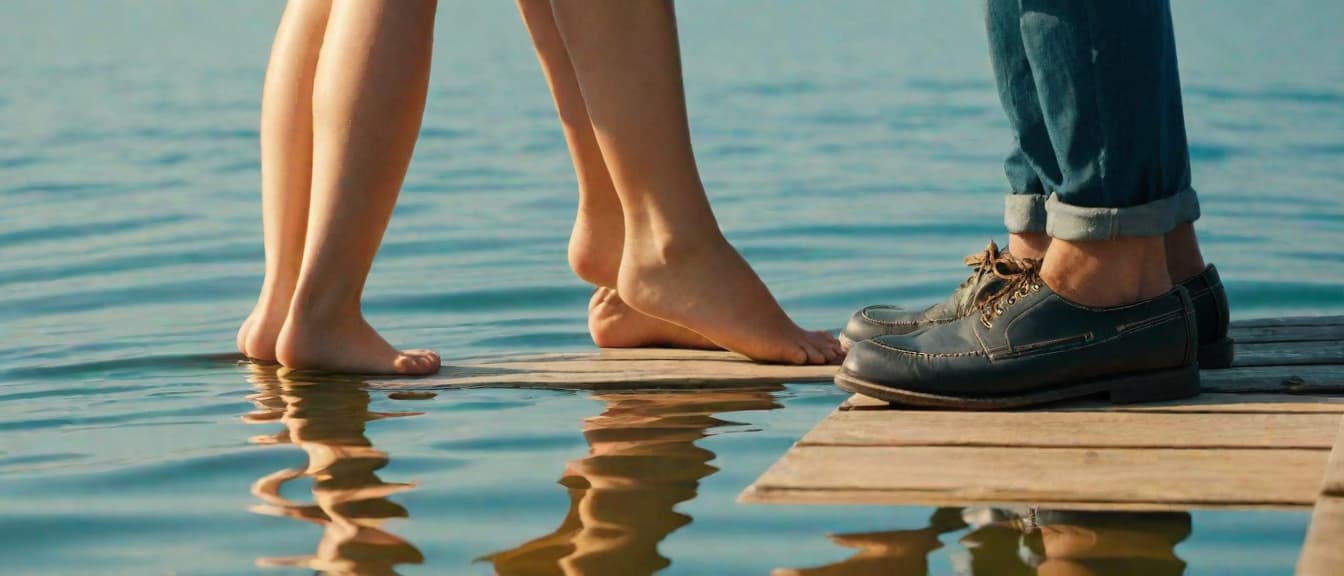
(1093, 95)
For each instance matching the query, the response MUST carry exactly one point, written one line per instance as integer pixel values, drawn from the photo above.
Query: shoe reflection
(642, 462)
(326, 420)
(1032, 541)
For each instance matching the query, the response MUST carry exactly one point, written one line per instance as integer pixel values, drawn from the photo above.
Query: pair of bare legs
(1113, 272)
(645, 234)
(344, 96)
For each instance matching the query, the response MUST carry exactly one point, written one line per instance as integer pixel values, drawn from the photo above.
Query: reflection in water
(1037, 542)
(642, 462)
(326, 420)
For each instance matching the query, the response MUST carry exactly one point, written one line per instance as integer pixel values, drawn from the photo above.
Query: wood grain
(1323, 551)
(1212, 402)
(1288, 353)
(968, 475)
(1075, 429)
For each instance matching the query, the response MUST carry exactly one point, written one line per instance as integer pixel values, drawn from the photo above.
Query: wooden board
(958, 476)
(1311, 348)
(1288, 353)
(615, 369)
(1323, 552)
(1075, 429)
(1205, 403)
(1244, 334)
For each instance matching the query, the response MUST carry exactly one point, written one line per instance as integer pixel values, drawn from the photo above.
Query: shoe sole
(1130, 389)
(1217, 355)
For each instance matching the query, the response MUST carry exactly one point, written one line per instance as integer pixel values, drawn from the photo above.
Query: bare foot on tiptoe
(347, 344)
(706, 286)
(257, 336)
(614, 324)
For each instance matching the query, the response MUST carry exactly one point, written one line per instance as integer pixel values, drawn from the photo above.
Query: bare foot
(706, 286)
(614, 324)
(347, 344)
(257, 336)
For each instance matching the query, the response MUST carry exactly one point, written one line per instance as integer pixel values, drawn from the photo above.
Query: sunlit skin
(1113, 272)
(344, 97)
(645, 228)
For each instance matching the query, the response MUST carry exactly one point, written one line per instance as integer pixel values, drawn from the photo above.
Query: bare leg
(1028, 245)
(1103, 273)
(368, 100)
(675, 263)
(599, 229)
(614, 324)
(1184, 259)
(286, 168)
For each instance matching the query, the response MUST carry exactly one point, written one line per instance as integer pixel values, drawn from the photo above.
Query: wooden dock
(1260, 437)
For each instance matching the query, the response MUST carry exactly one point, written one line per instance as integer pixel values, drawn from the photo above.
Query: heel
(1156, 386)
(1216, 355)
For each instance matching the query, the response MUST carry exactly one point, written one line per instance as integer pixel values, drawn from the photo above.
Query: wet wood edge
(1323, 550)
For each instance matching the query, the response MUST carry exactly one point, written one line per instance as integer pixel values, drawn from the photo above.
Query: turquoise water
(852, 151)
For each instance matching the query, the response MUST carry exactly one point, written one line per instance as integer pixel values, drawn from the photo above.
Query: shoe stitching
(1140, 324)
(1037, 348)
(1096, 343)
(927, 354)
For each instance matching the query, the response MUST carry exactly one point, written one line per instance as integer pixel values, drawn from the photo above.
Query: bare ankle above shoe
(1107, 273)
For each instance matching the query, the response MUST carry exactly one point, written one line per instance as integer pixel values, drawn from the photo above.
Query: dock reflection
(1022, 542)
(326, 420)
(642, 462)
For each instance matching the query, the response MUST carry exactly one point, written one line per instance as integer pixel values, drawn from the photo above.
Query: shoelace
(982, 262)
(1021, 277)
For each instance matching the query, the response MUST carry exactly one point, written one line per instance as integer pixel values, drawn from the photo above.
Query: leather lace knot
(1020, 276)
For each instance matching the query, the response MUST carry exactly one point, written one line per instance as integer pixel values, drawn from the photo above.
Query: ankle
(313, 309)
(1031, 245)
(1105, 273)
(1184, 260)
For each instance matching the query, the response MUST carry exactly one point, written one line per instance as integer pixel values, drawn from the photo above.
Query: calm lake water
(852, 151)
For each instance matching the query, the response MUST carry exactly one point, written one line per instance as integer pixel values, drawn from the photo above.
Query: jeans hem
(1024, 213)
(1081, 223)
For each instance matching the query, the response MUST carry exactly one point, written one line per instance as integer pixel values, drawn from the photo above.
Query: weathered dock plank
(615, 369)
(1300, 356)
(1260, 436)
(1075, 429)
(1323, 552)
(1289, 353)
(1209, 402)
(955, 475)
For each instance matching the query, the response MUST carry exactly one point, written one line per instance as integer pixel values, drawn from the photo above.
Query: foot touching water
(346, 343)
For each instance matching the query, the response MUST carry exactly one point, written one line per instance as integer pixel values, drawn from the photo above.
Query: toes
(416, 362)
(814, 355)
(828, 345)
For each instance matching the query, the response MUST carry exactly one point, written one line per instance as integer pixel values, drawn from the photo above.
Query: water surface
(852, 151)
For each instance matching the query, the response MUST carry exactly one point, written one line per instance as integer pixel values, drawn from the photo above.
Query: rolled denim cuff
(1077, 223)
(1024, 213)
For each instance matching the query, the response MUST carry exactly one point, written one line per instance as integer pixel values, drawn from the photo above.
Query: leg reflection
(642, 462)
(1027, 542)
(326, 420)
